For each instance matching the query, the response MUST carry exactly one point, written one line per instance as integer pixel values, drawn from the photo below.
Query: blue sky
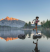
(25, 10)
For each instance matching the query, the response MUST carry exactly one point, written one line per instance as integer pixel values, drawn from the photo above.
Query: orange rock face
(1, 19)
(7, 18)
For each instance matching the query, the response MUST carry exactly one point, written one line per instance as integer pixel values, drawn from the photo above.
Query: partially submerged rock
(21, 36)
(37, 36)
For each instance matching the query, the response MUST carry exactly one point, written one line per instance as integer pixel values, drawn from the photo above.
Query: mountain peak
(8, 18)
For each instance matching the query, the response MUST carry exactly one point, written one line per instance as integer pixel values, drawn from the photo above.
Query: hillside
(12, 22)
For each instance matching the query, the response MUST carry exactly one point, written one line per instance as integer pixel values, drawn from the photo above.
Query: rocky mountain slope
(12, 22)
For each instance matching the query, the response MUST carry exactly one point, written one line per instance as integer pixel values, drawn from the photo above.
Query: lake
(11, 42)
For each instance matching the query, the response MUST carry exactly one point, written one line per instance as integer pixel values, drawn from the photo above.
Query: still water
(11, 42)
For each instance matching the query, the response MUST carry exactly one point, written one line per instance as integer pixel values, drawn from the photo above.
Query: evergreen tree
(29, 24)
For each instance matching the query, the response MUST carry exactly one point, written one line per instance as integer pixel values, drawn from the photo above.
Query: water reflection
(9, 38)
(36, 47)
(47, 35)
(15, 34)
(29, 35)
(12, 35)
(22, 41)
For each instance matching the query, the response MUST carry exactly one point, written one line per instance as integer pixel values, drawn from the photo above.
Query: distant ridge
(8, 18)
(12, 22)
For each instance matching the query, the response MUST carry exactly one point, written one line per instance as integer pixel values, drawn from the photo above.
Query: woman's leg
(36, 29)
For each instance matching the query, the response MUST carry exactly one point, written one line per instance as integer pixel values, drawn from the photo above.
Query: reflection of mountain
(9, 38)
(14, 34)
(10, 35)
(12, 22)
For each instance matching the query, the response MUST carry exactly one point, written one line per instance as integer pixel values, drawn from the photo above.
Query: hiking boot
(37, 32)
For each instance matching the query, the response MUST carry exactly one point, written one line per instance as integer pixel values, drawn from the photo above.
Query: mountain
(12, 22)
(9, 19)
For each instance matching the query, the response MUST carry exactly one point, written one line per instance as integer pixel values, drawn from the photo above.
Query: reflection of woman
(36, 47)
(29, 34)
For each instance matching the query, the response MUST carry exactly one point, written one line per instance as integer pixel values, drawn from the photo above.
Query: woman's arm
(33, 20)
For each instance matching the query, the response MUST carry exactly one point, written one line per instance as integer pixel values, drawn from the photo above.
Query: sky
(25, 10)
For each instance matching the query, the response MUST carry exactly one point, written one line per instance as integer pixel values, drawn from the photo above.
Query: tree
(46, 24)
(42, 24)
(29, 24)
(26, 25)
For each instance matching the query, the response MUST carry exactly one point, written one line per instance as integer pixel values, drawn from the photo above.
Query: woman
(36, 22)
